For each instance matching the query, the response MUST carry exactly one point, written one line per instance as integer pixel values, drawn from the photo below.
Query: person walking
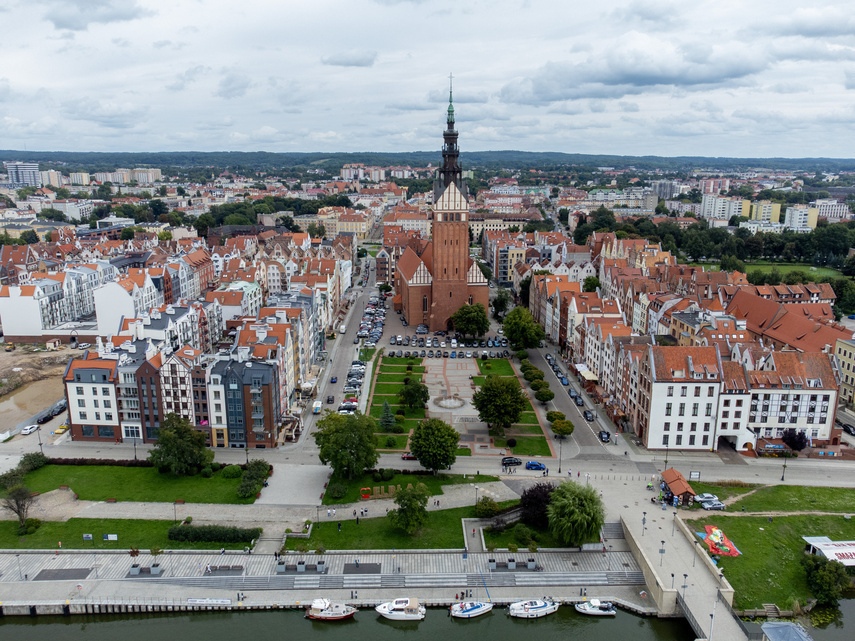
(339, 526)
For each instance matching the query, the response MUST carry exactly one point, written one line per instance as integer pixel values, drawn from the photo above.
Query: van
(342, 329)
(454, 343)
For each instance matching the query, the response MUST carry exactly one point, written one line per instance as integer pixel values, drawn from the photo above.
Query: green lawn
(373, 252)
(400, 369)
(543, 538)
(377, 533)
(721, 491)
(400, 442)
(526, 445)
(769, 569)
(523, 428)
(498, 366)
(383, 377)
(390, 360)
(387, 388)
(528, 417)
(790, 498)
(479, 380)
(131, 533)
(376, 409)
(101, 482)
(433, 483)
(783, 268)
(464, 451)
(366, 354)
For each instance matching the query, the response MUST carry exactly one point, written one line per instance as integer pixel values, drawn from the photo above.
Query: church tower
(451, 260)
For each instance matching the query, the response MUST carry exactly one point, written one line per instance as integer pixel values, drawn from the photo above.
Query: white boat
(326, 610)
(597, 608)
(533, 609)
(470, 609)
(402, 610)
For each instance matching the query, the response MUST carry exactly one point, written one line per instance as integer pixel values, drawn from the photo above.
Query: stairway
(612, 531)
(772, 611)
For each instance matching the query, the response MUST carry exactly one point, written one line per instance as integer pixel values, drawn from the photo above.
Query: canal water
(290, 624)
(564, 625)
(28, 400)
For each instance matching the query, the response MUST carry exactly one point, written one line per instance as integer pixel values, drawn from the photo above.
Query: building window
(694, 409)
(80, 390)
(684, 390)
(706, 427)
(697, 391)
(705, 440)
(724, 426)
(81, 402)
(670, 390)
(668, 409)
(679, 439)
(105, 391)
(708, 410)
(739, 403)
(667, 426)
(711, 391)
(693, 427)
(679, 427)
(692, 439)
(682, 411)
(87, 430)
(82, 416)
(665, 439)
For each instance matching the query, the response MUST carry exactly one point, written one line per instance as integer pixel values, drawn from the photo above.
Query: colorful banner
(717, 542)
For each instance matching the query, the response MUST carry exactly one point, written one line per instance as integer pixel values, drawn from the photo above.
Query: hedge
(100, 461)
(213, 533)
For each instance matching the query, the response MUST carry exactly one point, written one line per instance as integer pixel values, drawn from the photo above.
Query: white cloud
(233, 85)
(77, 15)
(351, 59)
(108, 114)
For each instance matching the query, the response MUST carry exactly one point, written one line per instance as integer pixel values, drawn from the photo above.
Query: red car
(408, 456)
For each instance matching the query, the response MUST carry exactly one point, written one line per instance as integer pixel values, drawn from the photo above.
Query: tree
(544, 395)
(316, 230)
(158, 207)
(29, 236)
(52, 214)
(347, 443)
(165, 235)
(795, 440)
(563, 428)
(414, 394)
(525, 290)
(533, 503)
(825, 578)
(128, 233)
(471, 320)
(434, 444)
(387, 419)
(18, 500)
(485, 270)
(500, 401)
(521, 329)
(576, 513)
(180, 449)
(501, 302)
(411, 513)
(591, 284)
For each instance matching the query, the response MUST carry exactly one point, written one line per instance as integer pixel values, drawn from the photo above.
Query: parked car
(535, 465)
(511, 460)
(29, 429)
(572, 393)
(713, 505)
(849, 429)
(564, 381)
(703, 498)
(330, 399)
(41, 420)
(589, 416)
(579, 401)
(62, 429)
(334, 379)
(604, 436)
(408, 456)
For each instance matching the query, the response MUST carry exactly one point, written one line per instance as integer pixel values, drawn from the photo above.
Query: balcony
(257, 413)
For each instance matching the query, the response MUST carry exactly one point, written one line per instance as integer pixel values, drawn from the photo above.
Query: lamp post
(560, 443)
(174, 512)
(784, 471)
(476, 495)
(643, 523)
(587, 478)
(246, 451)
(697, 552)
(317, 514)
(674, 523)
(135, 448)
(666, 456)
(685, 585)
(610, 558)
(39, 431)
(672, 580)
(20, 574)
(661, 553)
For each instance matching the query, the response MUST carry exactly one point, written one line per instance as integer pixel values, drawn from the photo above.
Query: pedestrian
(339, 526)
(333, 511)
(569, 472)
(361, 512)
(328, 513)
(578, 474)
(356, 594)
(770, 519)
(366, 511)
(743, 508)
(456, 596)
(208, 569)
(354, 514)
(357, 520)
(473, 531)
(437, 502)
(351, 594)
(222, 551)
(387, 510)
(356, 561)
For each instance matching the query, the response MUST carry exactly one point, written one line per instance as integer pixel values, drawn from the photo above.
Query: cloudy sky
(723, 78)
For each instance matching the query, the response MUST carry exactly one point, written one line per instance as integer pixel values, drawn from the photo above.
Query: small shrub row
(254, 474)
(231, 472)
(100, 461)
(383, 474)
(337, 490)
(213, 533)
(30, 527)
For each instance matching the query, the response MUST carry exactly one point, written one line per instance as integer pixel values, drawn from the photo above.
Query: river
(30, 399)
(565, 624)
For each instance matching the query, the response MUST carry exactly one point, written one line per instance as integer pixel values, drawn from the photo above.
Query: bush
(486, 508)
(32, 461)
(512, 547)
(391, 441)
(213, 533)
(232, 472)
(10, 479)
(523, 534)
(555, 415)
(248, 488)
(337, 490)
(399, 413)
(512, 442)
(532, 374)
(387, 473)
(522, 355)
(207, 472)
(215, 466)
(397, 428)
(400, 418)
(30, 526)
(188, 519)
(538, 384)
(257, 470)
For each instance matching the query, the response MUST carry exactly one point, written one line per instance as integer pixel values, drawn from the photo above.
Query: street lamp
(666, 456)
(674, 523)
(135, 448)
(685, 585)
(39, 431)
(560, 443)
(784, 471)
(661, 553)
(317, 514)
(174, 512)
(672, 580)
(643, 523)
(246, 451)
(20, 574)
(610, 558)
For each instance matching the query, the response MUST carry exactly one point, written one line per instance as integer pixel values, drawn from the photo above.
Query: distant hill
(259, 160)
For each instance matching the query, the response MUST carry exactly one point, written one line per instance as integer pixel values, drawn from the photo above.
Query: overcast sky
(725, 78)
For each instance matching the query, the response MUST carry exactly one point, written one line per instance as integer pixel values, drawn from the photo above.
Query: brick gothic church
(433, 283)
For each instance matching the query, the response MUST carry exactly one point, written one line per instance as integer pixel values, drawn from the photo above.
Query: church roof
(408, 263)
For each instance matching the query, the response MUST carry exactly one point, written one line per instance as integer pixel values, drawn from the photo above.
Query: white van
(454, 343)
(342, 329)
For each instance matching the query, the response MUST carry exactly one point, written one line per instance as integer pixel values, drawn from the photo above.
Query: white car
(29, 429)
(702, 498)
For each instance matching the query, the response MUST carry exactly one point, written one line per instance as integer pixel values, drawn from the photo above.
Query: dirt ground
(30, 365)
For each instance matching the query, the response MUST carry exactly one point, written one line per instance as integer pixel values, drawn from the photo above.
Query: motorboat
(326, 610)
(533, 609)
(470, 609)
(402, 610)
(597, 608)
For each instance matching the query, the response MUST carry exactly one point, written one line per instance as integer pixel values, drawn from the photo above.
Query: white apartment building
(723, 208)
(128, 297)
(831, 209)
